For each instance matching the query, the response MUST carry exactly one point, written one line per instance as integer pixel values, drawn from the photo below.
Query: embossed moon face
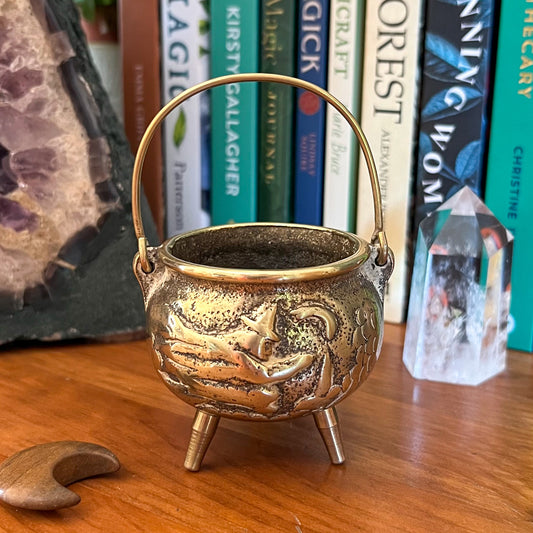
(284, 357)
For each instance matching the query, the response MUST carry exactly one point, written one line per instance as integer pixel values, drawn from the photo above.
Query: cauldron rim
(359, 251)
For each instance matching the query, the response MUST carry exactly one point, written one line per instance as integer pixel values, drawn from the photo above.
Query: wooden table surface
(421, 456)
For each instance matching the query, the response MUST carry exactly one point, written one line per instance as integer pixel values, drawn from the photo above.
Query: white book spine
(343, 81)
(388, 119)
(183, 64)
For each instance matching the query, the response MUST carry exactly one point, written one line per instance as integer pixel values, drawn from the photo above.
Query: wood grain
(420, 456)
(36, 477)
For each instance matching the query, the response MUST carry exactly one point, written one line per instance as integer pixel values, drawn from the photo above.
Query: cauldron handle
(378, 236)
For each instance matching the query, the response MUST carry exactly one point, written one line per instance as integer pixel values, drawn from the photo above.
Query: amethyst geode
(66, 237)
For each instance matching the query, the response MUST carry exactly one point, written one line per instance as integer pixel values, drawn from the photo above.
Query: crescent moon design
(326, 315)
(34, 478)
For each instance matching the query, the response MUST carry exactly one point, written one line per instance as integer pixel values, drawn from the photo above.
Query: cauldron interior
(264, 247)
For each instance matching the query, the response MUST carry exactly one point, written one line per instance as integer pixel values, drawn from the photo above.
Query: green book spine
(234, 49)
(509, 185)
(277, 55)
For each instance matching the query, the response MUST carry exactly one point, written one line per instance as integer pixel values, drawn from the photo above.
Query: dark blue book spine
(454, 100)
(310, 111)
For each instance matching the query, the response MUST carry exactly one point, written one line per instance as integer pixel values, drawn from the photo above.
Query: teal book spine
(234, 122)
(277, 55)
(509, 183)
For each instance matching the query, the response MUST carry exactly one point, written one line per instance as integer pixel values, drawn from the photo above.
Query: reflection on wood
(421, 456)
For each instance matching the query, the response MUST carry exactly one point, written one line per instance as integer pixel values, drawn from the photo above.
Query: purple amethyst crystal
(55, 166)
(16, 84)
(36, 106)
(30, 170)
(19, 131)
(34, 159)
(4, 25)
(16, 217)
(7, 183)
(64, 174)
(38, 186)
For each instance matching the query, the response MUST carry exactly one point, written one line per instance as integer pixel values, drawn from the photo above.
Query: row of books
(418, 74)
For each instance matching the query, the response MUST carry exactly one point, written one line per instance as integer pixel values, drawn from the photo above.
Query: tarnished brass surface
(203, 430)
(263, 321)
(264, 252)
(328, 425)
(235, 344)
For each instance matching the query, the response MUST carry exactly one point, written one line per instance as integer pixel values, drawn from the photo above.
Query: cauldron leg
(328, 424)
(203, 430)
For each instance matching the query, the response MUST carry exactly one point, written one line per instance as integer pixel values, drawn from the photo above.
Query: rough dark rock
(88, 290)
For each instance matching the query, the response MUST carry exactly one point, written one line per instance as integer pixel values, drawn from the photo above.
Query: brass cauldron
(263, 321)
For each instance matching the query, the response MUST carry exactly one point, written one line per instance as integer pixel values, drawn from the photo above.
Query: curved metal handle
(378, 236)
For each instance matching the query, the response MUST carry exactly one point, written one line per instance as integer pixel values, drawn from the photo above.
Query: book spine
(235, 48)
(509, 189)
(454, 101)
(277, 55)
(139, 23)
(388, 118)
(185, 62)
(103, 38)
(343, 82)
(310, 122)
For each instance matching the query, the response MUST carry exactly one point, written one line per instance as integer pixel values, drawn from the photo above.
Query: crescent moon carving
(34, 478)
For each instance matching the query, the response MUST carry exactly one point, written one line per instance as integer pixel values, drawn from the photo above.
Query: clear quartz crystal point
(460, 294)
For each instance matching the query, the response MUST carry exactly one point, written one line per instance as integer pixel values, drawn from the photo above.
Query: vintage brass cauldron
(263, 321)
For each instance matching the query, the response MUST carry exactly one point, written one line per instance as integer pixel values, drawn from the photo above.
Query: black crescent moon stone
(66, 231)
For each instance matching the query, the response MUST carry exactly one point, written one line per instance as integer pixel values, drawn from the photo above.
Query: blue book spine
(310, 111)
(454, 101)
